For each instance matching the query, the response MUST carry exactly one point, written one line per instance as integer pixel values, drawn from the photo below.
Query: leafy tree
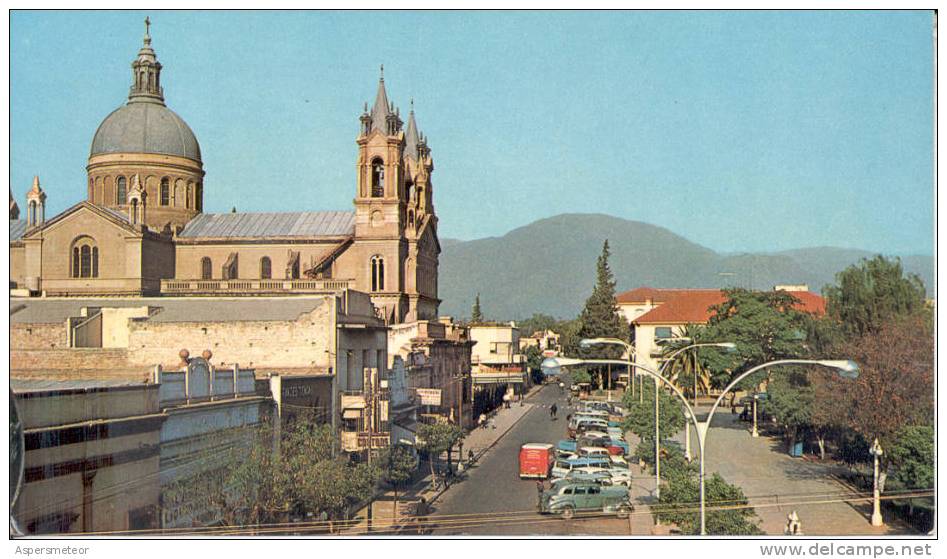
(436, 438)
(764, 325)
(253, 484)
(871, 293)
(534, 357)
(476, 316)
(537, 323)
(640, 417)
(728, 510)
(569, 337)
(396, 467)
(912, 459)
(895, 386)
(790, 402)
(580, 376)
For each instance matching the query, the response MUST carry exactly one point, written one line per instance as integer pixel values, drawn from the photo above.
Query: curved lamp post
(844, 368)
(589, 342)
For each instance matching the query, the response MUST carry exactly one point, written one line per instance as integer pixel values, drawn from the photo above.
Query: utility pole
(372, 399)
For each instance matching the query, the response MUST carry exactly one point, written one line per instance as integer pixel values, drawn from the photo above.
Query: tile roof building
(657, 314)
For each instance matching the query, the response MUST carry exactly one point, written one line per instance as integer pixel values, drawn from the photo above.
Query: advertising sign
(429, 396)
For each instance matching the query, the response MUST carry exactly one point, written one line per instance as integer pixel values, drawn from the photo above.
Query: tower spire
(411, 138)
(381, 110)
(146, 73)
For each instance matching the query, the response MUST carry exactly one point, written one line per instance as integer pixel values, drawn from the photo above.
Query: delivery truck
(536, 459)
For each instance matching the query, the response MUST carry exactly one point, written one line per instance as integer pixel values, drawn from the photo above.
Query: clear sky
(741, 131)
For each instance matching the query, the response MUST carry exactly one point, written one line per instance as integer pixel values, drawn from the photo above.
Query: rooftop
(286, 224)
(170, 309)
(692, 306)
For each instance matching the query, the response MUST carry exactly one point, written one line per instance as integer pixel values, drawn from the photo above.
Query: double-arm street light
(630, 350)
(844, 368)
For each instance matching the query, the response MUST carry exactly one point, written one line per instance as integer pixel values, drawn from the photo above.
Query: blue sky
(741, 131)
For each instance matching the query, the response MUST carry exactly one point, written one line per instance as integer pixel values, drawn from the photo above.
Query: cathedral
(142, 231)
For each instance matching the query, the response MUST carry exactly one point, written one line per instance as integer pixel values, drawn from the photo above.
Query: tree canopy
(476, 316)
(600, 318)
(870, 294)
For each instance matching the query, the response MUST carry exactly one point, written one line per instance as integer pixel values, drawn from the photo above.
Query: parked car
(536, 460)
(561, 467)
(594, 451)
(617, 476)
(566, 499)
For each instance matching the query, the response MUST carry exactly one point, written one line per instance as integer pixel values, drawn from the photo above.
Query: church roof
(287, 224)
(17, 228)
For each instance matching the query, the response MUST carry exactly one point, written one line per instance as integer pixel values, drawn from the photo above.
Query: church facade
(141, 229)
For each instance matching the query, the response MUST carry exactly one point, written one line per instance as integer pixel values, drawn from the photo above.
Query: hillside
(548, 266)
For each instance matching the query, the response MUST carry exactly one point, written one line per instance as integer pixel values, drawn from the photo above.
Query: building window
(85, 259)
(187, 198)
(378, 273)
(121, 195)
(378, 178)
(663, 333)
(206, 268)
(266, 270)
(165, 191)
(32, 213)
(199, 197)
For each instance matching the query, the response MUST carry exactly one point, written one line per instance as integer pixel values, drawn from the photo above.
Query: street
(493, 500)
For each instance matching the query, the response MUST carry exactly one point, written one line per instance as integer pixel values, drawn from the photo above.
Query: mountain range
(548, 266)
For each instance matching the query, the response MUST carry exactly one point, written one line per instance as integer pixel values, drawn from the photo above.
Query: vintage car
(565, 499)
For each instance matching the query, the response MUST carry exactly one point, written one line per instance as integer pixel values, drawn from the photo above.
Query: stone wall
(273, 344)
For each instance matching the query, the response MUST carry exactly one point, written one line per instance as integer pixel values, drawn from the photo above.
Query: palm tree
(687, 371)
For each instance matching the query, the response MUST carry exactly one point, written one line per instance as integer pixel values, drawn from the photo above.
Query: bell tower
(379, 199)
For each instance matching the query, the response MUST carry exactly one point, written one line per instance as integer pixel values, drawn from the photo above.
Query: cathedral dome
(145, 127)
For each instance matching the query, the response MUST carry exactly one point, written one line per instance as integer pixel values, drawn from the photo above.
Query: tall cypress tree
(601, 318)
(476, 315)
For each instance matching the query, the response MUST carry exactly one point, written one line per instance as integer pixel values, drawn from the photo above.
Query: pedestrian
(470, 458)
(552, 411)
(483, 420)
(540, 489)
(421, 514)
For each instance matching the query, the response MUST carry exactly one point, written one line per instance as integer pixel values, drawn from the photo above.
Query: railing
(175, 286)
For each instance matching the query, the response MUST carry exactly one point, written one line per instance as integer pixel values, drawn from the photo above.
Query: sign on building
(429, 396)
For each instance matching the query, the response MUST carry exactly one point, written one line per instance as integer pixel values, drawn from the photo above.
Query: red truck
(536, 460)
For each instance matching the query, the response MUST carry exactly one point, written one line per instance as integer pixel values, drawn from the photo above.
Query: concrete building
(498, 366)
(332, 337)
(430, 375)
(142, 230)
(657, 315)
(92, 457)
(545, 340)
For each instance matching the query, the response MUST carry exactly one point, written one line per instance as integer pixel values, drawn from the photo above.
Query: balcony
(251, 286)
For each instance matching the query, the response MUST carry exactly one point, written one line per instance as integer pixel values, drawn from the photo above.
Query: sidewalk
(386, 520)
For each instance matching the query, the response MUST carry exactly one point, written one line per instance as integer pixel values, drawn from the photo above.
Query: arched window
(206, 268)
(134, 211)
(85, 259)
(190, 193)
(266, 269)
(165, 192)
(199, 197)
(121, 197)
(407, 190)
(33, 210)
(378, 178)
(378, 273)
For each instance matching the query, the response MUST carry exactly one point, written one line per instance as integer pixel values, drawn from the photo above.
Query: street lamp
(588, 342)
(876, 519)
(844, 368)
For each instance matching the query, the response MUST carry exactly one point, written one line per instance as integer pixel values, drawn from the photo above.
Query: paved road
(493, 500)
